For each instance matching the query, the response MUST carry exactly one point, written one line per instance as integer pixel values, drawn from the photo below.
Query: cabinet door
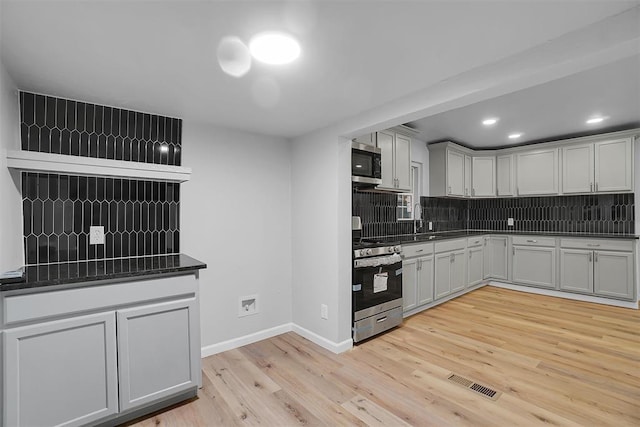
(613, 165)
(403, 162)
(62, 372)
(455, 173)
(458, 275)
(484, 177)
(425, 280)
(576, 270)
(613, 273)
(475, 266)
(158, 353)
(577, 169)
(487, 258)
(534, 266)
(499, 258)
(385, 144)
(538, 172)
(467, 176)
(369, 139)
(442, 284)
(409, 283)
(505, 175)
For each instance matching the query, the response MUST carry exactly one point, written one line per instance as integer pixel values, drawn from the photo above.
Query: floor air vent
(478, 388)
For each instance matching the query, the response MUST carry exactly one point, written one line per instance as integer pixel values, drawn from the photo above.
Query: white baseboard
(323, 342)
(244, 340)
(565, 295)
(272, 332)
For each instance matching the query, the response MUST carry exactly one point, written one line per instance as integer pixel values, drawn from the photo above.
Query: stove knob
(363, 252)
(397, 249)
(368, 251)
(390, 249)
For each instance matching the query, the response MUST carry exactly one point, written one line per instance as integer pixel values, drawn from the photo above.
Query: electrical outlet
(96, 235)
(510, 222)
(248, 305)
(430, 225)
(324, 311)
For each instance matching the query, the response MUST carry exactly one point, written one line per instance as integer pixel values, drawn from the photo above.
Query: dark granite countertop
(37, 276)
(445, 235)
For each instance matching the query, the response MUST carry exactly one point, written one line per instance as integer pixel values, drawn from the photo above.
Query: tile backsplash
(63, 126)
(602, 213)
(139, 217)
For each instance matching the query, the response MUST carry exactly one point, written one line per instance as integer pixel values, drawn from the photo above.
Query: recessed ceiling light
(595, 120)
(489, 122)
(274, 48)
(515, 135)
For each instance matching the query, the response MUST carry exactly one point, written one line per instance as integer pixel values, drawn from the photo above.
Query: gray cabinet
(598, 267)
(396, 160)
(157, 358)
(450, 266)
(417, 276)
(505, 175)
(62, 372)
(496, 258)
(449, 170)
(456, 168)
(484, 176)
(475, 265)
(537, 172)
(604, 166)
(534, 261)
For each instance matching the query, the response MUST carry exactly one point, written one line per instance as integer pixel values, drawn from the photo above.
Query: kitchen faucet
(416, 219)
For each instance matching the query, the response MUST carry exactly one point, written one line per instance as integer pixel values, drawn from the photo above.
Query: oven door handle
(382, 319)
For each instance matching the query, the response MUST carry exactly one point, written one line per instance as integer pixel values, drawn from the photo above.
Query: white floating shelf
(31, 161)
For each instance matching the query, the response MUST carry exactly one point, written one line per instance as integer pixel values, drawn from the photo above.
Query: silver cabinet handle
(505, 243)
(514, 251)
(419, 264)
(382, 319)
(591, 186)
(532, 241)
(595, 254)
(473, 191)
(590, 257)
(593, 244)
(449, 191)
(596, 186)
(469, 254)
(420, 250)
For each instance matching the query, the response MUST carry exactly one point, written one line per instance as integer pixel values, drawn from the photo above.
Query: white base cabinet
(496, 258)
(62, 372)
(65, 367)
(417, 276)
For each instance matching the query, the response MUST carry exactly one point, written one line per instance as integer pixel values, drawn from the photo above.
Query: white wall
(11, 251)
(236, 217)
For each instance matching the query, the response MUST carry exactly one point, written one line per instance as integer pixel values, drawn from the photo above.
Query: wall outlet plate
(430, 225)
(96, 235)
(510, 222)
(324, 311)
(247, 305)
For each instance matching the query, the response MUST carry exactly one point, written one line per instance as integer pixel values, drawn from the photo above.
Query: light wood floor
(554, 361)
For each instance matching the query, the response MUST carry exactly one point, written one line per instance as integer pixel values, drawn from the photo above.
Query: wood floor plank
(555, 362)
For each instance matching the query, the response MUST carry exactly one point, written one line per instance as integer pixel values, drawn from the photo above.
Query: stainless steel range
(377, 287)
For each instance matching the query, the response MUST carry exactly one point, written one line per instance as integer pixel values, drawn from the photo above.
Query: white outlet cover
(510, 222)
(247, 305)
(324, 311)
(430, 225)
(96, 235)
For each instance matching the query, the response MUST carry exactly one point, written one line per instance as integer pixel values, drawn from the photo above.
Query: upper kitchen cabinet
(506, 175)
(395, 144)
(604, 166)
(449, 170)
(484, 176)
(537, 172)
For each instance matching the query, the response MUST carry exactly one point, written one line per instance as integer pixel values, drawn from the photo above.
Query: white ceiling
(161, 56)
(556, 109)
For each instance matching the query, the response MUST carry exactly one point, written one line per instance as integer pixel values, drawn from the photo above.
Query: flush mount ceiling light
(515, 135)
(490, 121)
(595, 120)
(274, 48)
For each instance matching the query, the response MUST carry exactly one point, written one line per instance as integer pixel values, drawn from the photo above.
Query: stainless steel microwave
(366, 164)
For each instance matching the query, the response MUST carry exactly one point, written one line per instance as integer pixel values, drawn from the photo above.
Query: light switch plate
(510, 222)
(96, 235)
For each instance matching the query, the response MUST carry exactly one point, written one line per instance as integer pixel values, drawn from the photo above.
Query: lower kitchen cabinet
(417, 277)
(62, 372)
(576, 270)
(63, 367)
(450, 269)
(496, 257)
(157, 358)
(534, 261)
(613, 274)
(475, 263)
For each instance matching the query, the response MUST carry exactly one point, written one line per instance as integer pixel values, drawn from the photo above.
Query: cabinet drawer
(450, 245)
(42, 305)
(534, 241)
(598, 244)
(418, 249)
(475, 241)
